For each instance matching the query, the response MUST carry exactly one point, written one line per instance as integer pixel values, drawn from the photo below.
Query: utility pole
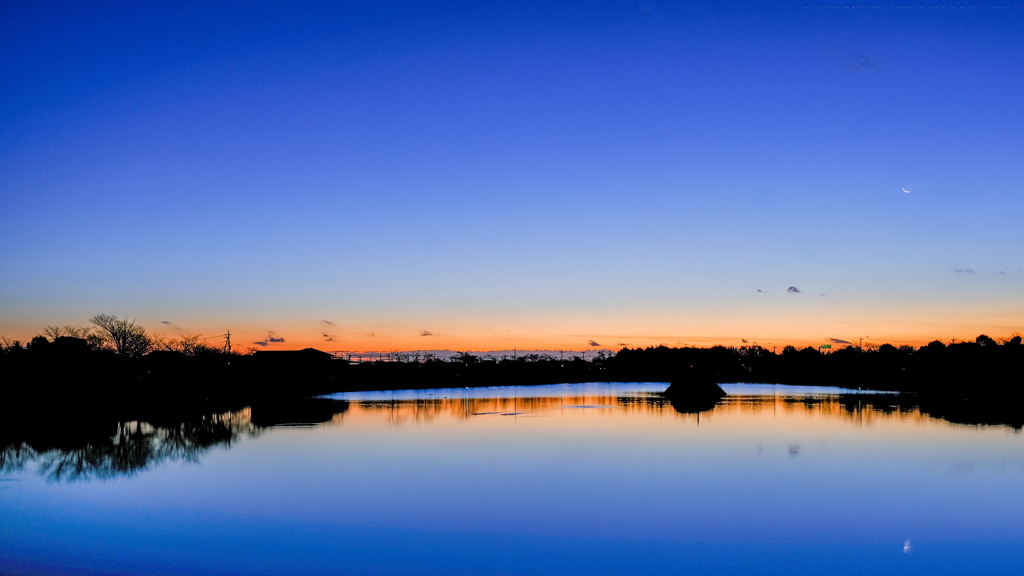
(227, 342)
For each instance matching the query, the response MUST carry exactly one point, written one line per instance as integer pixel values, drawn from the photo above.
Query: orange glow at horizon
(610, 330)
(583, 338)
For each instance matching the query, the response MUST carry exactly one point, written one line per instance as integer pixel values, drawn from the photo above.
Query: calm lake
(565, 479)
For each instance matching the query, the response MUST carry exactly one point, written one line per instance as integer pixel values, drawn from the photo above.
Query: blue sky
(498, 175)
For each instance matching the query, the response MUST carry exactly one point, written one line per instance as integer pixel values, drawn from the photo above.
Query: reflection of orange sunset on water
(734, 413)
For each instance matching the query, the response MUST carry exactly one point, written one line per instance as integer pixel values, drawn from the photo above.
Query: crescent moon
(905, 190)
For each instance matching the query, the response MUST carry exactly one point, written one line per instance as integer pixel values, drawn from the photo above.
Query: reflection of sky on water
(589, 388)
(584, 479)
(542, 391)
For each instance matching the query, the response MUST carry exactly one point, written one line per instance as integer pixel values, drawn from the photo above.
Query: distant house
(298, 372)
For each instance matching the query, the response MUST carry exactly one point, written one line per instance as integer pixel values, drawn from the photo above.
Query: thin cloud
(852, 59)
(329, 337)
(858, 62)
(168, 322)
(837, 341)
(744, 340)
(594, 343)
(426, 333)
(328, 322)
(371, 335)
(622, 344)
(759, 291)
(270, 339)
(793, 290)
(963, 270)
(262, 343)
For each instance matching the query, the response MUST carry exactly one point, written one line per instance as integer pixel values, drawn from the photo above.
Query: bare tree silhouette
(87, 333)
(128, 338)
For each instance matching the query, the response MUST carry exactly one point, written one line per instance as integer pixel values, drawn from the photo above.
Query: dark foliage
(965, 369)
(70, 371)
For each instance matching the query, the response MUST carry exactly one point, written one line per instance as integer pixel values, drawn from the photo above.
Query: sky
(486, 176)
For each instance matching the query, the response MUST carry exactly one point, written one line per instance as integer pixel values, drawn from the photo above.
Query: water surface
(566, 479)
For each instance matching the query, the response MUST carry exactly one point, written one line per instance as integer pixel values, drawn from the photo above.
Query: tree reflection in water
(133, 447)
(64, 449)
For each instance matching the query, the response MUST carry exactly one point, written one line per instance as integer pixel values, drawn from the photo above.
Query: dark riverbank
(979, 382)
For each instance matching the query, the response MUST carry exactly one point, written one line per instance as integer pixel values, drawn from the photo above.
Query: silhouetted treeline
(962, 368)
(78, 372)
(70, 372)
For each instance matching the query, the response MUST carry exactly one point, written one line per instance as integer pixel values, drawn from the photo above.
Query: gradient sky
(531, 175)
